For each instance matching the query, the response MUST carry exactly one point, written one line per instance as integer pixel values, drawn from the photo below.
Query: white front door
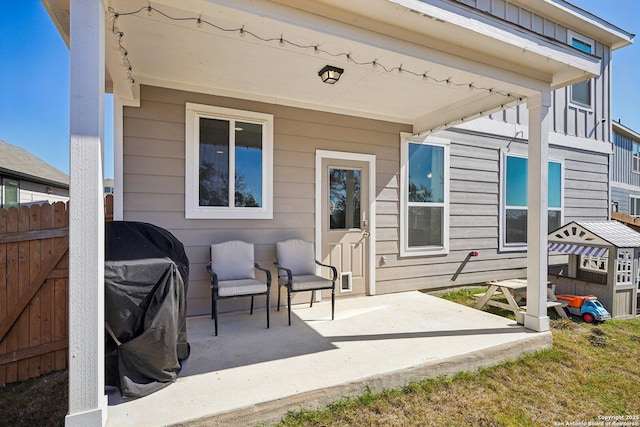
(345, 219)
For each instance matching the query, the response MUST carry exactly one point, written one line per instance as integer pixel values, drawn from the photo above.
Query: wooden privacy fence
(34, 281)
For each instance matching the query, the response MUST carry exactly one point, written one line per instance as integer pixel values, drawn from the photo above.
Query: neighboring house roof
(21, 164)
(621, 129)
(586, 233)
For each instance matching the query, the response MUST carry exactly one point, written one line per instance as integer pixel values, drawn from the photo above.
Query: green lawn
(592, 372)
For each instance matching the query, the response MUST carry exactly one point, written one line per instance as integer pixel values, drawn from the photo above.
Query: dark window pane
(581, 92)
(214, 162)
(11, 194)
(425, 226)
(426, 173)
(344, 198)
(516, 224)
(248, 165)
(554, 221)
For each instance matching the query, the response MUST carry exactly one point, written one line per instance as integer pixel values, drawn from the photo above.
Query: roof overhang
(474, 63)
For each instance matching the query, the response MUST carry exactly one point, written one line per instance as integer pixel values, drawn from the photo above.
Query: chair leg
(267, 310)
(214, 313)
(278, 297)
(311, 303)
(333, 302)
(251, 311)
(289, 303)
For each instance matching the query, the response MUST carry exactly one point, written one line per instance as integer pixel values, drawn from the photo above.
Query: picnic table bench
(512, 289)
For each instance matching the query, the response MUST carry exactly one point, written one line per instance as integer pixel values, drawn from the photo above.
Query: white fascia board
(515, 131)
(621, 129)
(469, 19)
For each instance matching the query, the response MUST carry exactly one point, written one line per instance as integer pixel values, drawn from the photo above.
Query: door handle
(366, 234)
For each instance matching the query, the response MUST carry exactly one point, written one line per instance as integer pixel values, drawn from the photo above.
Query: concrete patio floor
(250, 374)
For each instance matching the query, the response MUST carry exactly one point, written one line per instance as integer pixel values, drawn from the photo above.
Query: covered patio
(249, 375)
(427, 65)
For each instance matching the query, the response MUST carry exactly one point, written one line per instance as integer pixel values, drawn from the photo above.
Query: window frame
(635, 158)
(503, 246)
(193, 210)
(3, 192)
(633, 197)
(405, 250)
(571, 36)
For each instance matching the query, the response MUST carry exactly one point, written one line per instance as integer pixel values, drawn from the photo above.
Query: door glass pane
(426, 173)
(344, 198)
(248, 165)
(425, 226)
(214, 162)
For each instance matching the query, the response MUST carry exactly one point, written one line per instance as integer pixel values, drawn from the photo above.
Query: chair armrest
(333, 269)
(256, 265)
(289, 275)
(214, 276)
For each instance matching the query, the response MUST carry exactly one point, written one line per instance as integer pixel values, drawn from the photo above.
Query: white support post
(118, 158)
(87, 399)
(537, 218)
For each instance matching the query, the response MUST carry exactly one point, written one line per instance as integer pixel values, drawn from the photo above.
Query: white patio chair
(233, 275)
(297, 272)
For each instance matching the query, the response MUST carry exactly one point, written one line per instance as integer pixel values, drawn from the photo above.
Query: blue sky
(34, 78)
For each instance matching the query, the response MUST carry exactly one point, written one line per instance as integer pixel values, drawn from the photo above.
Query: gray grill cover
(146, 278)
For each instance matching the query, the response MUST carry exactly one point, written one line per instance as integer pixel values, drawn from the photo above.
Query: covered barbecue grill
(146, 277)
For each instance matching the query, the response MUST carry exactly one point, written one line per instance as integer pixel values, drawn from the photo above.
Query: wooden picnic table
(512, 289)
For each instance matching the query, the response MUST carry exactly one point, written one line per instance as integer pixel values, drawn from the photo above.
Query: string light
(281, 40)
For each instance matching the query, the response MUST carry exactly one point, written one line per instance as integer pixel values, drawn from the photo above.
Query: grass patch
(589, 372)
(41, 401)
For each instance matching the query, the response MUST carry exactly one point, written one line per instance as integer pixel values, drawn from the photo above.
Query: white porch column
(118, 158)
(87, 400)
(537, 218)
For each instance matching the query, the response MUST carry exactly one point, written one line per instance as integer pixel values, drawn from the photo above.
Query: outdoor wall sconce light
(330, 74)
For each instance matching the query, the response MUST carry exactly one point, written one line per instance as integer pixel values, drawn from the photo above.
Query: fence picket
(33, 291)
(11, 339)
(3, 290)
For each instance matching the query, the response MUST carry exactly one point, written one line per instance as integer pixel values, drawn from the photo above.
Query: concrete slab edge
(273, 411)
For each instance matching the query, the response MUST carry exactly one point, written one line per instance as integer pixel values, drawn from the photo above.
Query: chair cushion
(296, 255)
(230, 288)
(307, 282)
(233, 260)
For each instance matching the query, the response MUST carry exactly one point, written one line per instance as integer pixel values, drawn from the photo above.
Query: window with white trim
(635, 157)
(424, 207)
(634, 206)
(10, 193)
(581, 93)
(515, 200)
(229, 163)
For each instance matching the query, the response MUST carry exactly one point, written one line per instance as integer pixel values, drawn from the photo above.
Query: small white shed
(603, 261)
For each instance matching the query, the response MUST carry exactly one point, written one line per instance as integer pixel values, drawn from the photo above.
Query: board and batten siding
(154, 169)
(567, 117)
(621, 165)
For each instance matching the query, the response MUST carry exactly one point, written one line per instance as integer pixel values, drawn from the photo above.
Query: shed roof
(596, 233)
(21, 164)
